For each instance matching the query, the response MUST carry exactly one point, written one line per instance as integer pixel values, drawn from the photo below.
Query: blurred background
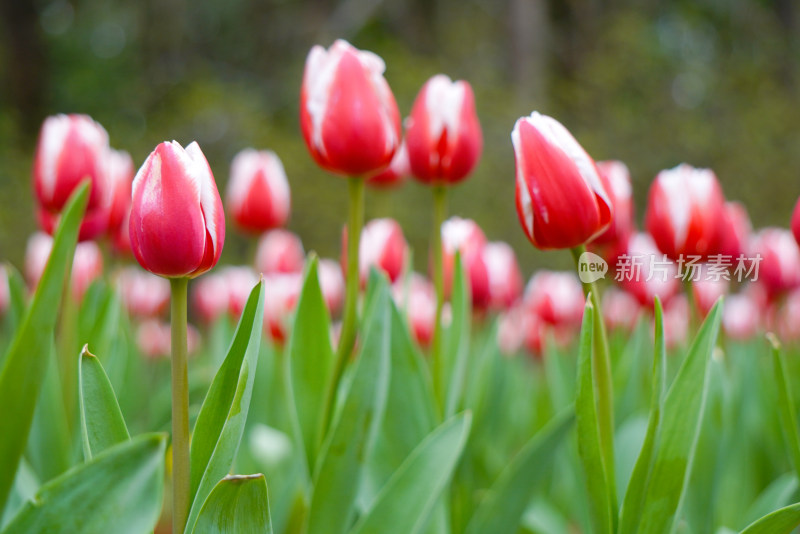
(713, 83)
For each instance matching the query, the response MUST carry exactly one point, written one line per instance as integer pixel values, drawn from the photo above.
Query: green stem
(68, 350)
(180, 407)
(601, 365)
(347, 338)
(437, 359)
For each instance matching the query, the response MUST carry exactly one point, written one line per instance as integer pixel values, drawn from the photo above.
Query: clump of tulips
(372, 398)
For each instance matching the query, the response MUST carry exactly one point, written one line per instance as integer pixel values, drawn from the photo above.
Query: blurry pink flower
(505, 278)
(154, 339)
(511, 330)
(707, 290)
(210, 296)
(120, 178)
(645, 272)
(676, 321)
(466, 237)
(257, 196)
(779, 268)
(143, 294)
(417, 298)
(556, 298)
(382, 246)
(331, 283)
(280, 251)
(93, 224)
(616, 180)
(281, 291)
(741, 316)
(5, 296)
(396, 173)
(735, 230)
(240, 282)
(87, 264)
(620, 309)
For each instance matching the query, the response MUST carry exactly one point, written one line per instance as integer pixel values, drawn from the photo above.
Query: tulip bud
(555, 297)
(505, 278)
(177, 227)
(348, 114)
(779, 267)
(620, 310)
(395, 173)
(154, 339)
(280, 251)
(511, 330)
(735, 230)
(741, 316)
(210, 296)
(71, 148)
(706, 291)
(120, 176)
(87, 263)
(240, 282)
(143, 294)
(684, 210)
(258, 192)
(417, 298)
(561, 202)
(331, 283)
(645, 272)
(466, 237)
(94, 223)
(382, 246)
(676, 321)
(616, 181)
(281, 292)
(443, 133)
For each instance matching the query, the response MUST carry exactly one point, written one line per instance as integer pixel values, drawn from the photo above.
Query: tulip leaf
(634, 496)
(777, 495)
(786, 409)
(457, 345)
(220, 423)
(505, 503)
(119, 491)
(238, 503)
(406, 501)
(681, 422)
(102, 424)
(347, 448)
(27, 358)
(310, 361)
(781, 521)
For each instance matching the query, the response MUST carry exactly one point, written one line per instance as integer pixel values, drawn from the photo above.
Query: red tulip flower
(87, 263)
(741, 317)
(505, 278)
(796, 221)
(443, 134)
(779, 267)
(396, 173)
(120, 177)
(645, 272)
(143, 294)
(280, 251)
(382, 246)
(331, 283)
(556, 298)
(210, 296)
(616, 181)
(684, 210)
(561, 201)
(418, 299)
(348, 114)
(467, 238)
(735, 230)
(177, 227)
(258, 196)
(240, 281)
(281, 292)
(707, 290)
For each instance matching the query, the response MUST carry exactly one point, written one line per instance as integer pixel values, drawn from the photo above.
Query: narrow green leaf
(682, 418)
(26, 360)
(220, 423)
(777, 495)
(589, 446)
(102, 424)
(238, 503)
(347, 449)
(634, 496)
(504, 505)
(786, 410)
(310, 362)
(781, 521)
(457, 352)
(119, 491)
(404, 505)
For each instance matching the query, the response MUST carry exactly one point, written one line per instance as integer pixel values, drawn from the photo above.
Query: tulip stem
(601, 365)
(439, 214)
(180, 407)
(68, 350)
(347, 338)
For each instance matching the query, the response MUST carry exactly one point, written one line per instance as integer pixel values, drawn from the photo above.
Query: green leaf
(457, 352)
(347, 449)
(777, 495)
(786, 410)
(220, 423)
(405, 503)
(238, 503)
(119, 491)
(634, 496)
(102, 424)
(310, 361)
(504, 505)
(682, 418)
(781, 521)
(589, 446)
(26, 360)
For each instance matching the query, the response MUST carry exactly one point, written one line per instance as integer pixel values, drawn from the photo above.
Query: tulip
(281, 292)
(443, 133)
(382, 246)
(154, 340)
(706, 290)
(348, 114)
(616, 181)
(280, 251)
(143, 294)
(5, 294)
(741, 316)
(555, 297)
(210, 296)
(418, 300)
(645, 272)
(684, 210)
(466, 237)
(331, 284)
(676, 322)
(395, 173)
(240, 282)
(620, 310)
(258, 196)
(561, 201)
(795, 224)
(94, 223)
(87, 263)
(779, 267)
(505, 278)
(71, 148)
(120, 176)
(177, 227)
(511, 331)
(735, 230)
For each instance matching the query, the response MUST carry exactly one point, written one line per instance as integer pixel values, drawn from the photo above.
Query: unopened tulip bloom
(177, 227)
(210, 296)
(556, 297)
(511, 330)
(240, 281)
(143, 294)
(741, 316)
(281, 292)
(331, 283)
(505, 278)
(735, 230)
(707, 290)
(779, 265)
(94, 222)
(616, 179)
(120, 177)
(620, 310)
(71, 148)
(676, 321)
(280, 251)
(418, 299)
(467, 238)
(87, 263)
(258, 196)
(684, 210)
(443, 134)
(382, 246)
(154, 340)
(348, 114)
(645, 272)
(396, 173)
(561, 201)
